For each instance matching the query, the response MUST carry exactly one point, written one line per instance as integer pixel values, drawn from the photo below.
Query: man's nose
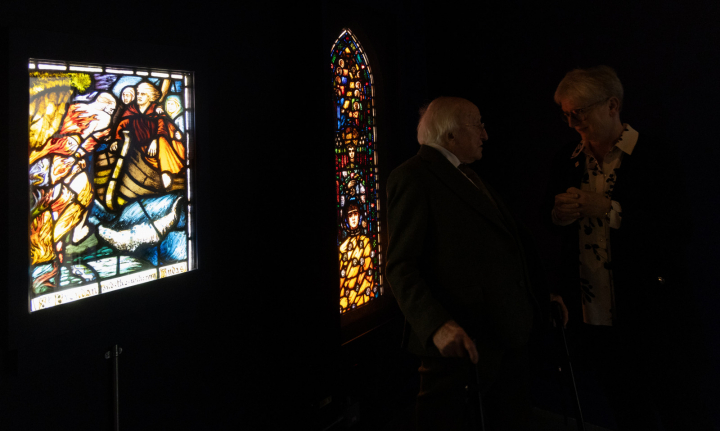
(572, 121)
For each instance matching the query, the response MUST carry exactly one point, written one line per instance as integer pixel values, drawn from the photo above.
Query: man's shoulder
(414, 166)
(413, 163)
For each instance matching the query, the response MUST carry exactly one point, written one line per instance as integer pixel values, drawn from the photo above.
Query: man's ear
(450, 136)
(614, 104)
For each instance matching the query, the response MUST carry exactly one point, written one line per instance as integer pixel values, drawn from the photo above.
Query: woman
(173, 107)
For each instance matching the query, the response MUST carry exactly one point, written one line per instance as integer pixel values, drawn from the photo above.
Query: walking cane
(558, 318)
(481, 413)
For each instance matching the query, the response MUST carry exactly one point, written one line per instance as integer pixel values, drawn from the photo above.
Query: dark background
(252, 337)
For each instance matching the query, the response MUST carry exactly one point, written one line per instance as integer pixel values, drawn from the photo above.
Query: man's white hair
(440, 118)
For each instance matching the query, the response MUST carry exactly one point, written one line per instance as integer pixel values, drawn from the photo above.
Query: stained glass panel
(109, 150)
(356, 174)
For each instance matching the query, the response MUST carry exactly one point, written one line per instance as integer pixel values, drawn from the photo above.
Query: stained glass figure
(109, 179)
(356, 174)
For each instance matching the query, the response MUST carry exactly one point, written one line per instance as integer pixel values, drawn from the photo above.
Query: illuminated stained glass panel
(356, 174)
(110, 184)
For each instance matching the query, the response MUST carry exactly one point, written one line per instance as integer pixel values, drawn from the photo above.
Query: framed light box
(111, 198)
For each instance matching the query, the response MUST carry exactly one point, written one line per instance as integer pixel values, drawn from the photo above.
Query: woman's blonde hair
(590, 85)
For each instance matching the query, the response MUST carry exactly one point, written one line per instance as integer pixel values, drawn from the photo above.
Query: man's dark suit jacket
(453, 256)
(647, 250)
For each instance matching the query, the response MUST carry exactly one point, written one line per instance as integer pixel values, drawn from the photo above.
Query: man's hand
(563, 308)
(113, 146)
(453, 342)
(576, 203)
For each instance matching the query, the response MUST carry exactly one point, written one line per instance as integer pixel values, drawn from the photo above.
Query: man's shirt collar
(452, 158)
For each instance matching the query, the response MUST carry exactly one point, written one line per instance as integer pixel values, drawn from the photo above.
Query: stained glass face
(110, 196)
(356, 174)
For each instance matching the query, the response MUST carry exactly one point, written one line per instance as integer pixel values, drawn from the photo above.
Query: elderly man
(456, 265)
(617, 206)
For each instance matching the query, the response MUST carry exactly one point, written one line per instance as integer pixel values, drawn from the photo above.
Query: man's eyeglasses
(580, 114)
(480, 126)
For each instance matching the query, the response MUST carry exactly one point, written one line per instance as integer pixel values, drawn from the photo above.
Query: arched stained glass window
(356, 174)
